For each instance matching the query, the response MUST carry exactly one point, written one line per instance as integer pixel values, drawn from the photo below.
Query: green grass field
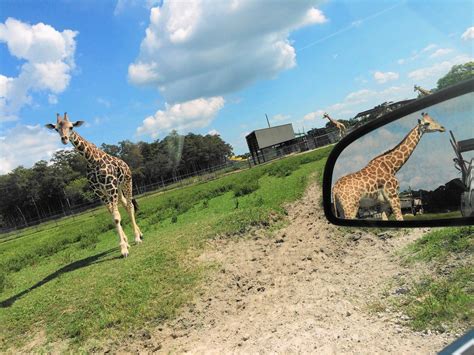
(68, 281)
(444, 298)
(428, 216)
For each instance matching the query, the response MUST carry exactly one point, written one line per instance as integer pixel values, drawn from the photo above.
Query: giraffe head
(64, 127)
(325, 115)
(415, 88)
(428, 124)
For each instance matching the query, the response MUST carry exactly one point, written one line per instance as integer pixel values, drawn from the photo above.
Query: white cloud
(418, 54)
(280, 117)
(123, 5)
(437, 70)
(214, 132)
(440, 52)
(210, 48)
(25, 145)
(429, 48)
(468, 34)
(196, 113)
(313, 115)
(49, 56)
(104, 102)
(362, 100)
(382, 77)
(52, 99)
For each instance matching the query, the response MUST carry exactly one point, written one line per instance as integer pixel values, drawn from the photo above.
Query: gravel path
(306, 288)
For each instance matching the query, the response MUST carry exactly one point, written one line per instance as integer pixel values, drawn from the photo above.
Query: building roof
(263, 129)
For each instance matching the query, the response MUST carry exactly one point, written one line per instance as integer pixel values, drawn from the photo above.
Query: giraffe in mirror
(423, 92)
(109, 177)
(340, 126)
(377, 180)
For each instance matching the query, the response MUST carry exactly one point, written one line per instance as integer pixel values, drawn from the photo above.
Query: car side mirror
(412, 167)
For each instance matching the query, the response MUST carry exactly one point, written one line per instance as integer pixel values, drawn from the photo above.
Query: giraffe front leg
(113, 208)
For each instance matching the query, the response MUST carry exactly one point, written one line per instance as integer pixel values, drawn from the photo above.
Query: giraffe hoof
(138, 241)
(125, 254)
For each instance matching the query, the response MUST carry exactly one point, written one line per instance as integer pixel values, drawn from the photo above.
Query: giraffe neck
(85, 148)
(398, 156)
(423, 91)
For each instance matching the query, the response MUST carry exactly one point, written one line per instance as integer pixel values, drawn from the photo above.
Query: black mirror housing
(430, 105)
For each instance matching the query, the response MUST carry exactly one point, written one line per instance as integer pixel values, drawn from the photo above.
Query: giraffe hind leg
(128, 203)
(391, 195)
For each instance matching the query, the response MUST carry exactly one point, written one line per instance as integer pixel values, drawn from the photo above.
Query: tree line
(53, 187)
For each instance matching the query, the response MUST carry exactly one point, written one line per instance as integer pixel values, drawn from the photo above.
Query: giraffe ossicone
(109, 177)
(377, 180)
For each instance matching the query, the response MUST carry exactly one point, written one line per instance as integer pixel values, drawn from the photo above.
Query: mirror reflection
(417, 167)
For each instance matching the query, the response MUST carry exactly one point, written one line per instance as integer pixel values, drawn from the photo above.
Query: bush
(245, 187)
(283, 168)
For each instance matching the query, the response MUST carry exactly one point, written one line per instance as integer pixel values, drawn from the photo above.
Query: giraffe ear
(50, 126)
(77, 123)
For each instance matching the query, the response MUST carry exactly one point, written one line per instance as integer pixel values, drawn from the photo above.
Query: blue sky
(137, 69)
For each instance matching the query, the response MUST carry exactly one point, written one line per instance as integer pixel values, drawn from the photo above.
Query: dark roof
(263, 129)
(378, 108)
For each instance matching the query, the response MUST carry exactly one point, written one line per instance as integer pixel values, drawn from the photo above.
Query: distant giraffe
(377, 180)
(422, 91)
(109, 177)
(340, 126)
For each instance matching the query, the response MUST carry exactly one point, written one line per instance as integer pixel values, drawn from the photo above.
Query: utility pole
(268, 121)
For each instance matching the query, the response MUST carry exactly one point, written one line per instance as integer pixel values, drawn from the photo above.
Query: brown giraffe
(377, 180)
(422, 91)
(109, 177)
(340, 126)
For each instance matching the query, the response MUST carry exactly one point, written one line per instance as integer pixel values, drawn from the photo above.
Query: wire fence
(306, 143)
(138, 190)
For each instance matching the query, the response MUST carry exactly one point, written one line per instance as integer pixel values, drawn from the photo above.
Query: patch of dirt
(308, 288)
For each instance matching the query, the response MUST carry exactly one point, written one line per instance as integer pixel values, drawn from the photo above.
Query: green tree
(78, 191)
(457, 74)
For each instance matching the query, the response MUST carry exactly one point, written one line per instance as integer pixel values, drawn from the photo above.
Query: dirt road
(305, 289)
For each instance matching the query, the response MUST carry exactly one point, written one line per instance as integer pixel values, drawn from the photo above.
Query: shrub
(283, 168)
(245, 187)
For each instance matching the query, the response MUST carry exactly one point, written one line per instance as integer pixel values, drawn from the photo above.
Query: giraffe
(422, 91)
(109, 177)
(340, 127)
(377, 181)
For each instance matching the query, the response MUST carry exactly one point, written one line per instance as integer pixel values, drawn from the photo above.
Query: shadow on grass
(91, 260)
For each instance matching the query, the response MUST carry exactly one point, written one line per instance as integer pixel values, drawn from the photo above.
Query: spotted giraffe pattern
(377, 181)
(109, 177)
(422, 91)
(105, 173)
(340, 126)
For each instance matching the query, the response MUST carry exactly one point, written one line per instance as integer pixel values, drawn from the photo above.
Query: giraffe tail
(135, 204)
